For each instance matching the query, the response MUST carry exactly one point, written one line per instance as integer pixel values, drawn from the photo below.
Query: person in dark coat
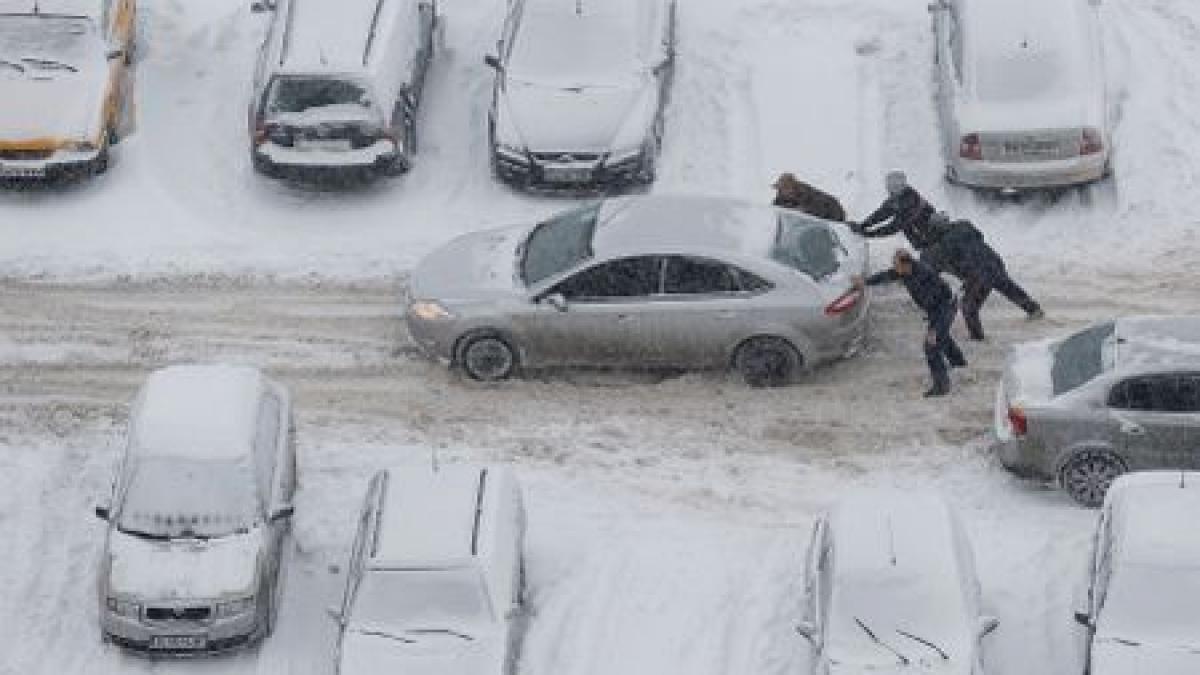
(793, 193)
(934, 297)
(904, 210)
(964, 252)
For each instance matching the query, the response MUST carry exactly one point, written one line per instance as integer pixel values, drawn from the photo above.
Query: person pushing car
(904, 210)
(793, 193)
(934, 297)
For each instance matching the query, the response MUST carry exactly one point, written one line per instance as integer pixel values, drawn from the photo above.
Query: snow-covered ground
(668, 515)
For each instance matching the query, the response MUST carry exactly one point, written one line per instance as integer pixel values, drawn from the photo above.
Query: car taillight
(844, 303)
(1016, 418)
(260, 131)
(1091, 142)
(970, 147)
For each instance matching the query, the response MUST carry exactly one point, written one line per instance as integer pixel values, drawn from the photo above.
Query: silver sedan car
(653, 281)
(1119, 396)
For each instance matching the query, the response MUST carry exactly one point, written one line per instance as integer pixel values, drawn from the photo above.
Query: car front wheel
(767, 362)
(1087, 476)
(487, 357)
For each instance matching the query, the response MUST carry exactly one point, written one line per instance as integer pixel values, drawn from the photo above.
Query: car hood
(1115, 658)
(184, 570)
(555, 118)
(369, 654)
(1055, 113)
(51, 108)
(474, 267)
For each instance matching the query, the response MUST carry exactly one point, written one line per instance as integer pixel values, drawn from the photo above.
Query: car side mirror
(1083, 619)
(662, 66)
(807, 630)
(492, 61)
(283, 513)
(116, 53)
(556, 300)
(260, 6)
(513, 612)
(988, 624)
(335, 614)
(938, 6)
(102, 512)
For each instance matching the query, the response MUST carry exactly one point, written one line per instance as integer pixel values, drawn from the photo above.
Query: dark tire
(104, 160)
(1087, 476)
(767, 361)
(487, 357)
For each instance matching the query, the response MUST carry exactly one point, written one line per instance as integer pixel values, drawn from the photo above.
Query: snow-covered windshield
(807, 246)
(424, 601)
(556, 48)
(302, 94)
(1152, 605)
(1081, 357)
(46, 44)
(175, 497)
(897, 609)
(559, 243)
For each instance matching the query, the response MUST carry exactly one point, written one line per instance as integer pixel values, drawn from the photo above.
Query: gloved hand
(856, 228)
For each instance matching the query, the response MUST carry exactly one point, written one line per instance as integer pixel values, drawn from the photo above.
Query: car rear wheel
(487, 357)
(767, 361)
(1087, 476)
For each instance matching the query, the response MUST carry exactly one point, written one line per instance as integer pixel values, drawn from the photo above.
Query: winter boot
(940, 387)
(1034, 312)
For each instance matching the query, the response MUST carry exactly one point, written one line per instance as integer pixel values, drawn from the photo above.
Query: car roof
(1157, 343)
(198, 412)
(323, 37)
(884, 532)
(1012, 27)
(431, 517)
(684, 225)
(1153, 518)
(632, 22)
(90, 8)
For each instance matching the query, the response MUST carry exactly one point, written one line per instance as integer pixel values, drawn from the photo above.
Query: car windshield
(558, 244)
(46, 44)
(412, 603)
(302, 94)
(807, 246)
(559, 48)
(1083, 356)
(1152, 605)
(183, 498)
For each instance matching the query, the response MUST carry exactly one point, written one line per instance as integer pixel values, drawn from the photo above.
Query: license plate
(330, 145)
(572, 175)
(22, 171)
(1031, 147)
(178, 642)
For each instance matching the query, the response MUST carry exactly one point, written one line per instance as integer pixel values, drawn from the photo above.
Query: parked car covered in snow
(338, 85)
(891, 588)
(580, 91)
(1021, 92)
(651, 281)
(436, 574)
(200, 509)
(65, 83)
(1120, 396)
(1137, 610)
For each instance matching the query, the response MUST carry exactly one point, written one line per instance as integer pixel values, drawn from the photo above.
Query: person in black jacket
(904, 210)
(963, 252)
(933, 295)
(793, 193)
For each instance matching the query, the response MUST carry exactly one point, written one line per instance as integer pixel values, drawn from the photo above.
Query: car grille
(25, 154)
(194, 614)
(567, 157)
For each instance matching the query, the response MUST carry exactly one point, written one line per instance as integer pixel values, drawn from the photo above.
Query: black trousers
(978, 287)
(942, 348)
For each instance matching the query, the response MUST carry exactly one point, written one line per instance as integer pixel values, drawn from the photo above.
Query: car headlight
(233, 608)
(428, 310)
(126, 608)
(79, 146)
(624, 156)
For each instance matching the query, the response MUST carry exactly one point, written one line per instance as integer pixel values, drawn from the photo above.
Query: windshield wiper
(52, 65)
(383, 634)
(439, 631)
(875, 638)
(12, 64)
(941, 652)
(140, 534)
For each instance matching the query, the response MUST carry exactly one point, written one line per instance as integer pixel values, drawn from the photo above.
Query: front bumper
(217, 635)
(1016, 176)
(380, 154)
(530, 172)
(435, 339)
(57, 163)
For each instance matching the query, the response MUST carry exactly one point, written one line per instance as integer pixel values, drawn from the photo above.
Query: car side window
(1164, 393)
(617, 279)
(696, 276)
(266, 443)
(1180, 394)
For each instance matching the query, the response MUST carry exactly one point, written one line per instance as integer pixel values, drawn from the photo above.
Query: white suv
(435, 577)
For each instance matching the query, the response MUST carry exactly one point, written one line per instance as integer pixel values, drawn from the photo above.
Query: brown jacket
(803, 197)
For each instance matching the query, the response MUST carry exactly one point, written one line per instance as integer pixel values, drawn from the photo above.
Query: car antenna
(1182, 479)
(891, 541)
(433, 459)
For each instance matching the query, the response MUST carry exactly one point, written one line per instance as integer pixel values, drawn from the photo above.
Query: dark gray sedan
(677, 282)
(1119, 396)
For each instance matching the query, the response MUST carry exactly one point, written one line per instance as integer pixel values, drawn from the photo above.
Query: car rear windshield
(558, 244)
(177, 498)
(41, 43)
(1081, 357)
(807, 246)
(301, 94)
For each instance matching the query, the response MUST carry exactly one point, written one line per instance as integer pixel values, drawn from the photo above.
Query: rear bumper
(1016, 176)
(380, 154)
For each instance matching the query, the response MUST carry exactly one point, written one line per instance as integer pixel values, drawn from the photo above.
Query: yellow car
(65, 84)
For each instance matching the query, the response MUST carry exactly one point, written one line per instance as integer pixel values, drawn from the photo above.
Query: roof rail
(478, 512)
(374, 28)
(287, 31)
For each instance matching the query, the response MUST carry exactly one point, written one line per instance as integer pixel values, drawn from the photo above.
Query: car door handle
(1132, 428)
(624, 317)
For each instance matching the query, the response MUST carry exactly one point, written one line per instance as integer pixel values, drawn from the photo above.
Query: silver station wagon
(653, 281)
(1119, 396)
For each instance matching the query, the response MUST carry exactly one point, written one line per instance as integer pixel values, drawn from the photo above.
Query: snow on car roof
(883, 531)
(198, 411)
(332, 37)
(1153, 515)
(1146, 342)
(90, 8)
(591, 38)
(684, 225)
(429, 517)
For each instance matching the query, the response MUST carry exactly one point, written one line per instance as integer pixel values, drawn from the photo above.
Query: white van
(435, 579)
(338, 84)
